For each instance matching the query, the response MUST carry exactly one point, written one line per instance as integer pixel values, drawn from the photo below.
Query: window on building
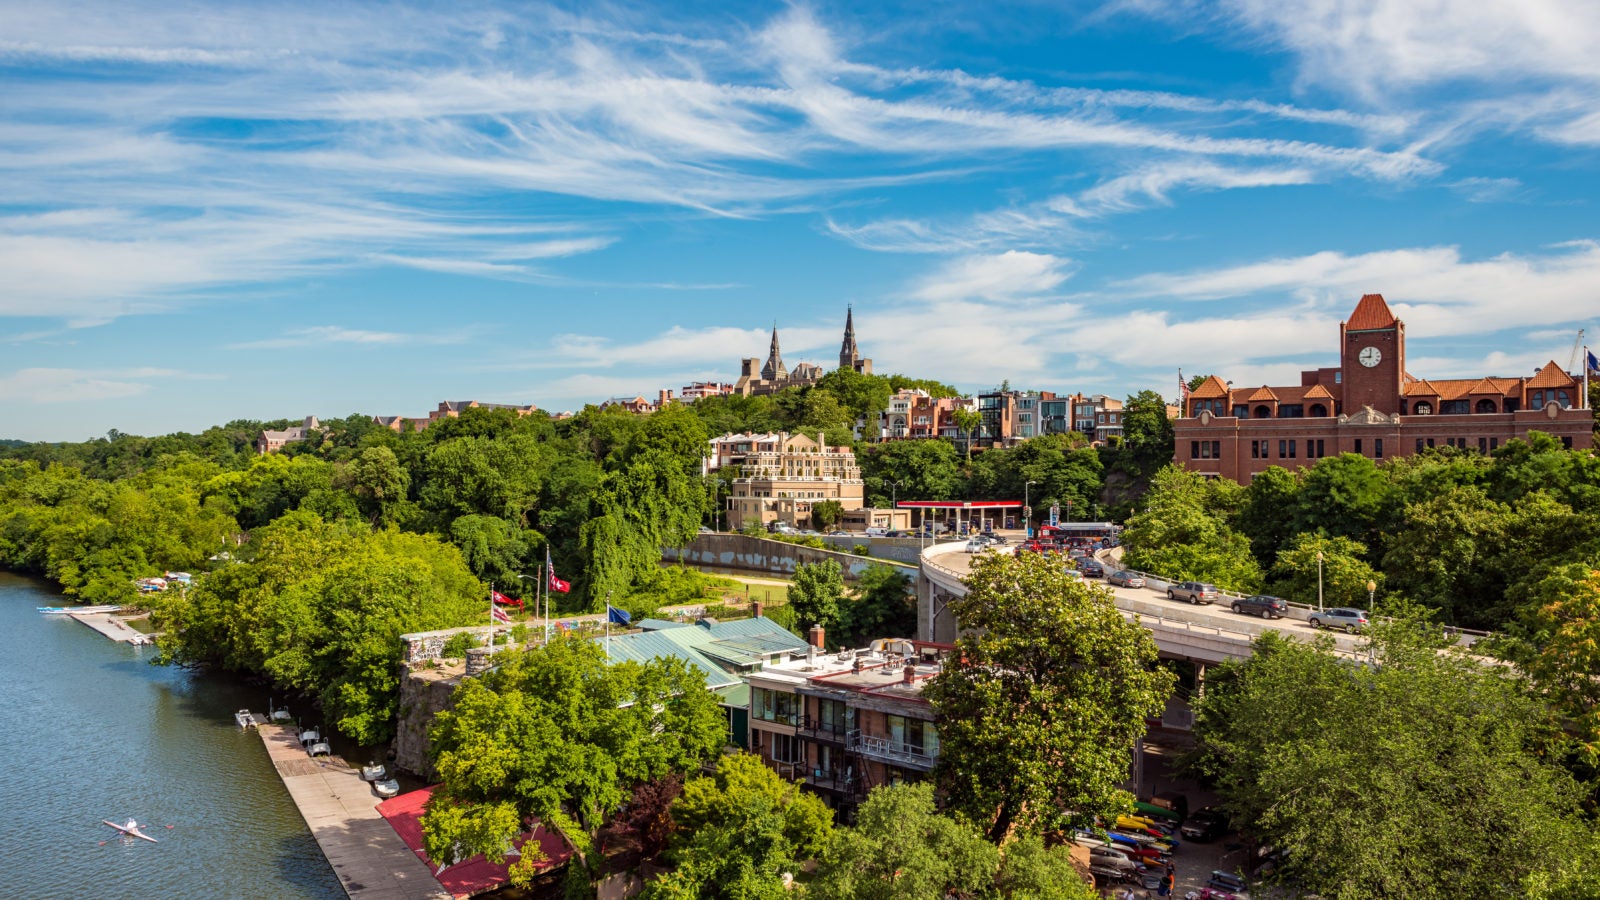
(1423, 408)
(1358, 445)
(1322, 450)
(1494, 444)
(1241, 411)
(913, 736)
(1430, 442)
(1255, 449)
(1283, 449)
(1318, 411)
(1511, 404)
(1485, 406)
(1419, 445)
(1483, 445)
(786, 748)
(774, 706)
(1377, 448)
(1566, 442)
(1455, 407)
(1292, 411)
(1291, 448)
(1194, 449)
(1216, 449)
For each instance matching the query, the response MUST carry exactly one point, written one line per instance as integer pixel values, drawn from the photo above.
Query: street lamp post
(1027, 511)
(1319, 581)
(1372, 589)
(894, 502)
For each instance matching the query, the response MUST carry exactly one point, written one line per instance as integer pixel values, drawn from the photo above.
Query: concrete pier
(342, 811)
(114, 627)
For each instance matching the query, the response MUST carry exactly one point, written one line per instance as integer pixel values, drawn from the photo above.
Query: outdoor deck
(368, 856)
(112, 626)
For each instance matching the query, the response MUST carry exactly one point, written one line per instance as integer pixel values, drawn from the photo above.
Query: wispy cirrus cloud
(65, 385)
(325, 335)
(242, 148)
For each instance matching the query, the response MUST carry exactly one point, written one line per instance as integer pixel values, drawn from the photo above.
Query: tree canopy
(1048, 689)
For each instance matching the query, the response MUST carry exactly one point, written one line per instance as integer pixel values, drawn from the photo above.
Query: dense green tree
(925, 470)
(862, 396)
(882, 608)
(1337, 764)
(1343, 496)
(1147, 432)
(1183, 534)
(555, 733)
(1344, 572)
(825, 514)
(817, 594)
(737, 831)
(379, 483)
(1566, 634)
(901, 848)
(498, 551)
(1030, 870)
(1266, 516)
(1048, 689)
(649, 504)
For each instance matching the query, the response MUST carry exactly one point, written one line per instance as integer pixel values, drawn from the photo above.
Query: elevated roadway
(1204, 634)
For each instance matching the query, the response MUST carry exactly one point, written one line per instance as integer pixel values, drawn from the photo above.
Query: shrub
(458, 645)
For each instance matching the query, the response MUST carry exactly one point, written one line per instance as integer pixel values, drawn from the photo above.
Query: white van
(877, 532)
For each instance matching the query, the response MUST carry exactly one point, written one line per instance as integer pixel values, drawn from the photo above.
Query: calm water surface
(89, 730)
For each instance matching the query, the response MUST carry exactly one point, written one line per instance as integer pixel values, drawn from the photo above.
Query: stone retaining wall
(742, 552)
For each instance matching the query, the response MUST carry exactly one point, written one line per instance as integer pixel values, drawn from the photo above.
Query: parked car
(1125, 578)
(1229, 884)
(1351, 620)
(1206, 824)
(977, 545)
(1193, 591)
(1074, 575)
(993, 538)
(1092, 569)
(1263, 605)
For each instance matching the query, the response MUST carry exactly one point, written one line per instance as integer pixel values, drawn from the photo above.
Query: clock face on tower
(1370, 356)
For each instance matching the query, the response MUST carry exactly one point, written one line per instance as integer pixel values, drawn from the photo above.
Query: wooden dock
(114, 627)
(342, 811)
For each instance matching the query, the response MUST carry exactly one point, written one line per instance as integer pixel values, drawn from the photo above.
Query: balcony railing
(824, 731)
(832, 780)
(890, 750)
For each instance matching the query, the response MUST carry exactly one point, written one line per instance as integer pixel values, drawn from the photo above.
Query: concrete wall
(741, 552)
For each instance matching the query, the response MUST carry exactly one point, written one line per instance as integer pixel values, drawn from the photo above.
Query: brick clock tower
(1372, 357)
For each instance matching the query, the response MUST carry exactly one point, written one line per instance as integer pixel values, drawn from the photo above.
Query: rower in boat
(131, 830)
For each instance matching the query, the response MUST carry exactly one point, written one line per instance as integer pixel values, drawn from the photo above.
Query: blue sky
(215, 211)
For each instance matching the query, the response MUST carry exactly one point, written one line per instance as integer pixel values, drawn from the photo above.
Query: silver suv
(1351, 620)
(1193, 591)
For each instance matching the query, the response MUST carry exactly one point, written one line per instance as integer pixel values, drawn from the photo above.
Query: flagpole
(1586, 358)
(491, 618)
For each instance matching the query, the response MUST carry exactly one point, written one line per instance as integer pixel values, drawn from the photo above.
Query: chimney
(757, 608)
(911, 672)
(816, 636)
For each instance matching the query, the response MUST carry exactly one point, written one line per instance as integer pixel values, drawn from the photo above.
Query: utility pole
(1319, 581)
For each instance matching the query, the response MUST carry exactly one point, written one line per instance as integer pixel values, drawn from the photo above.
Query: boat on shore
(320, 748)
(374, 772)
(131, 830)
(309, 736)
(247, 719)
(386, 788)
(72, 610)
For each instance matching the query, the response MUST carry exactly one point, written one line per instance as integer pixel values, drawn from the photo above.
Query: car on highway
(993, 538)
(1194, 592)
(1092, 569)
(1206, 824)
(1125, 578)
(1263, 605)
(1074, 575)
(1342, 617)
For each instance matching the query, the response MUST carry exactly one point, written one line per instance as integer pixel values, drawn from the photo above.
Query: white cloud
(1434, 289)
(46, 385)
(1006, 276)
(324, 335)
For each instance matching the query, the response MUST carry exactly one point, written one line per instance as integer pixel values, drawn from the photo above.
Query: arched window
(1318, 411)
(1423, 408)
(1263, 412)
(1485, 406)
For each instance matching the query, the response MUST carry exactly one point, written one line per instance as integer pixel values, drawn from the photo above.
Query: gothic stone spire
(774, 370)
(848, 353)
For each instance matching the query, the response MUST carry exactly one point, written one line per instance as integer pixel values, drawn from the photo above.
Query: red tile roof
(1211, 388)
(1262, 393)
(1551, 376)
(1371, 313)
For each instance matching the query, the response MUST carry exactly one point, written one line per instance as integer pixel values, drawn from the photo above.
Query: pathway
(342, 811)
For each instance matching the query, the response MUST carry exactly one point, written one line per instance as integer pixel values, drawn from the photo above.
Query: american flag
(500, 615)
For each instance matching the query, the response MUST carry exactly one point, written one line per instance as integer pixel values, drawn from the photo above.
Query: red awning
(470, 876)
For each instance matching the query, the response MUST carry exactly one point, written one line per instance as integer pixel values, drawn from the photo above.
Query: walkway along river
(89, 730)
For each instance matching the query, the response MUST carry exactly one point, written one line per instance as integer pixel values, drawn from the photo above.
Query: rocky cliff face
(424, 694)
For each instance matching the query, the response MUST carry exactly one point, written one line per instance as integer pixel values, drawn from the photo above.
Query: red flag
(557, 585)
(500, 615)
(503, 600)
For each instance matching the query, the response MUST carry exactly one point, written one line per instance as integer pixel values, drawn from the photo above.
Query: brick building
(779, 478)
(1371, 405)
(846, 722)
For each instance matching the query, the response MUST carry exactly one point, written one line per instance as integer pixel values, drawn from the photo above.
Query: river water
(89, 730)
